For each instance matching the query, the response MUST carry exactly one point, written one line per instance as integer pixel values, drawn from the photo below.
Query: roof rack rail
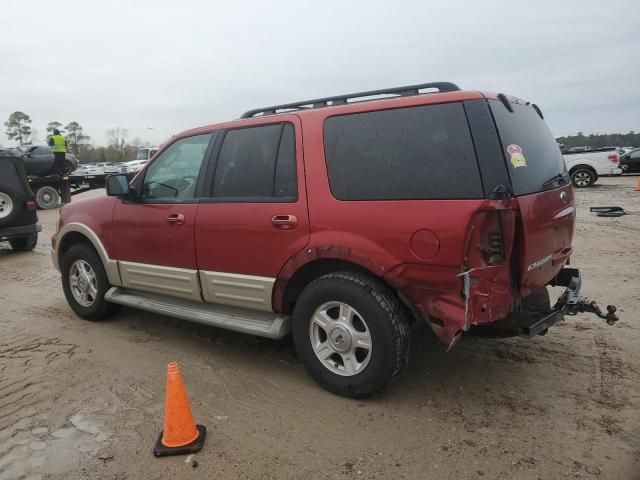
(344, 99)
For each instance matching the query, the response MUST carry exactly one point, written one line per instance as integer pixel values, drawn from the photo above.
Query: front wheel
(583, 177)
(85, 282)
(67, 167)
(351, 333)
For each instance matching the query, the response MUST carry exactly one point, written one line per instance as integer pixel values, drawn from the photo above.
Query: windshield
(142, 154)
(531, 151)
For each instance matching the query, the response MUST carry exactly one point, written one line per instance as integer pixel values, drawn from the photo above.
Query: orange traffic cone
(180, 434)
(638, 186)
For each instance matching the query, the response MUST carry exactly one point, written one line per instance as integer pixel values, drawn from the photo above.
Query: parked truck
(585, 166)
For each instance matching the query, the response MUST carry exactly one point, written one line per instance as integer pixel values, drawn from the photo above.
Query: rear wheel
(583, 177)
(351, 333)
(25, 244)
(85, 282)
(47, 197)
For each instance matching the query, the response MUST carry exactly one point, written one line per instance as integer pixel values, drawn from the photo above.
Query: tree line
(597, 140)
(119, 148)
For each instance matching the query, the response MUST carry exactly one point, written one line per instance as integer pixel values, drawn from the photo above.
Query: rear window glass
(531, 151)
(411, 153)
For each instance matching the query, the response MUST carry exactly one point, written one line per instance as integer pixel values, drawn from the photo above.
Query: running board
(262, 324)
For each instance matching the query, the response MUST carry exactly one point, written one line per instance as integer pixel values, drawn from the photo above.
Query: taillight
(30, 205)
(613, 158)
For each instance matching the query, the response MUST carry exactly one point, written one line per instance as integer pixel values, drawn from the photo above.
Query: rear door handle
(176, 218)
(284, 222)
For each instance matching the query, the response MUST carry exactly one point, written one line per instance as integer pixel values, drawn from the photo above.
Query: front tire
(583, 177)
(85, 282)
(67, 167)
(47, 197)
(24, 244)
(351, 333)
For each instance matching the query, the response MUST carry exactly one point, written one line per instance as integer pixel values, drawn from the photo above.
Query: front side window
(413, 153)
(42, 151)
(174, 174)
(257, 163)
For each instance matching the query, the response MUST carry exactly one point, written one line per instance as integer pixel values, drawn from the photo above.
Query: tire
(583, 177)
(96, 307)
(538, 301)
(372, 311)
(67, 167)
(47, 197)
(24, 244)
(6, 206)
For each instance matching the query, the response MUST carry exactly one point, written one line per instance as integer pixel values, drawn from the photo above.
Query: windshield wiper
(555, 178)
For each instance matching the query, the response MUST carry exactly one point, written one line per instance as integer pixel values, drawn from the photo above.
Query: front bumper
(569, 303)
(19, 231)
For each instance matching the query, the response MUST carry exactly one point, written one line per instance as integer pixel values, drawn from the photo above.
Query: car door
(256, 215)
(633, 160)
(39, 161)
(153, 235)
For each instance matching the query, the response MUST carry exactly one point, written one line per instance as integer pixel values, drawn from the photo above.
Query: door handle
(284, 222)
(176, 218)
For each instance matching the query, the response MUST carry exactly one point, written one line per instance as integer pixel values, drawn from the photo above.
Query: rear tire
(24, 244)
(68, 167)
(83, 272)
(583, 177)
(366, 336)
(47, 197)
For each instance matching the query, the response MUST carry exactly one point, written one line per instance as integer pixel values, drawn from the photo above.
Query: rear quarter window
(414, 153)
(531, 151)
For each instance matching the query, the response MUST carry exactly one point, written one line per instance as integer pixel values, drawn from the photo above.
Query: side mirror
(117, 185)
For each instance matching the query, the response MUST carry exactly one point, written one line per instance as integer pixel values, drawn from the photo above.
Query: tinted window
(257, 162)
(174, 173)
(41, 151)
(530, 149)
(410, 153)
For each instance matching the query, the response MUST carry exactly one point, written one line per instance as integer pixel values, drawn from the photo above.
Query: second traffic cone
(180, 434)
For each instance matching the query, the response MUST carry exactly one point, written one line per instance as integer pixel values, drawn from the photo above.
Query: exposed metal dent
(110, 266)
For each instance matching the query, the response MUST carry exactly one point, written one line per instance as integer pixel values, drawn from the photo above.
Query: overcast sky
(159, 67)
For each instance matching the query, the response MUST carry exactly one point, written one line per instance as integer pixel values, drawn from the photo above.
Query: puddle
(34, 453)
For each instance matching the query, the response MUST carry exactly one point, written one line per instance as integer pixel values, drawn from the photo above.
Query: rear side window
(411, 153)
(257, 162)
(531, 151)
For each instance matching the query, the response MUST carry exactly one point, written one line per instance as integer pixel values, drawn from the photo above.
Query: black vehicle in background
(18, 218)
(38, 160)
(630, 162)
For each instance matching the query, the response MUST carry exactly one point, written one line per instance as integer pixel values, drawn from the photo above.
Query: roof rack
(344, 99)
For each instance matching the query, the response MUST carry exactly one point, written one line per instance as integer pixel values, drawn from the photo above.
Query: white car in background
(142, 157)
(585, 166)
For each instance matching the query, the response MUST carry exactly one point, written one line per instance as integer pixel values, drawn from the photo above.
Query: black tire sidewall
(381, 366)
(24, 244)
(55, 193)
(592, 177)
(100, 308)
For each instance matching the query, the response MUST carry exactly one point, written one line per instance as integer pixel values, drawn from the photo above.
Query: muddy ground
(85, 400)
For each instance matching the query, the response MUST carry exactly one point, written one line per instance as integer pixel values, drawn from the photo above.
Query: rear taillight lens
(613, 158)
(30, 205)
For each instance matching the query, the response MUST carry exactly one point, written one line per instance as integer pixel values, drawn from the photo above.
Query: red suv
(341, 220)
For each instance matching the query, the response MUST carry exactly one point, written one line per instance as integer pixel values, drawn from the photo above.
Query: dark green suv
(18, 218)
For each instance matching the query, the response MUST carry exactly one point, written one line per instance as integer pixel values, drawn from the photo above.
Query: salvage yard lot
(85, 400)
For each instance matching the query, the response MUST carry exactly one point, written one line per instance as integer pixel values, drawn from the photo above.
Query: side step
(262, 324)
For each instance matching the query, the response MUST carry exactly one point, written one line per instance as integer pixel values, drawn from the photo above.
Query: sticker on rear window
(517, 157)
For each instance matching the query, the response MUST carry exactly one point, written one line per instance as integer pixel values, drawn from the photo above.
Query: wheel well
(586, 167)
(73, 238)
(316, 269)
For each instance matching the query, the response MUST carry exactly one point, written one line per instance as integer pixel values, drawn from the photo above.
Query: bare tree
(75, 135)
(117, 137)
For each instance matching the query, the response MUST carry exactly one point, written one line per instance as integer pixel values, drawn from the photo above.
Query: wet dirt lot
(85, 400)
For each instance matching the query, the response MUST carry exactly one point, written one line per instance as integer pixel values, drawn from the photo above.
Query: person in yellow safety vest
(59, 144)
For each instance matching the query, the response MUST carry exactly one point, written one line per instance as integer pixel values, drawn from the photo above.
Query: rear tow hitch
(572, 303)
(584, 305)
